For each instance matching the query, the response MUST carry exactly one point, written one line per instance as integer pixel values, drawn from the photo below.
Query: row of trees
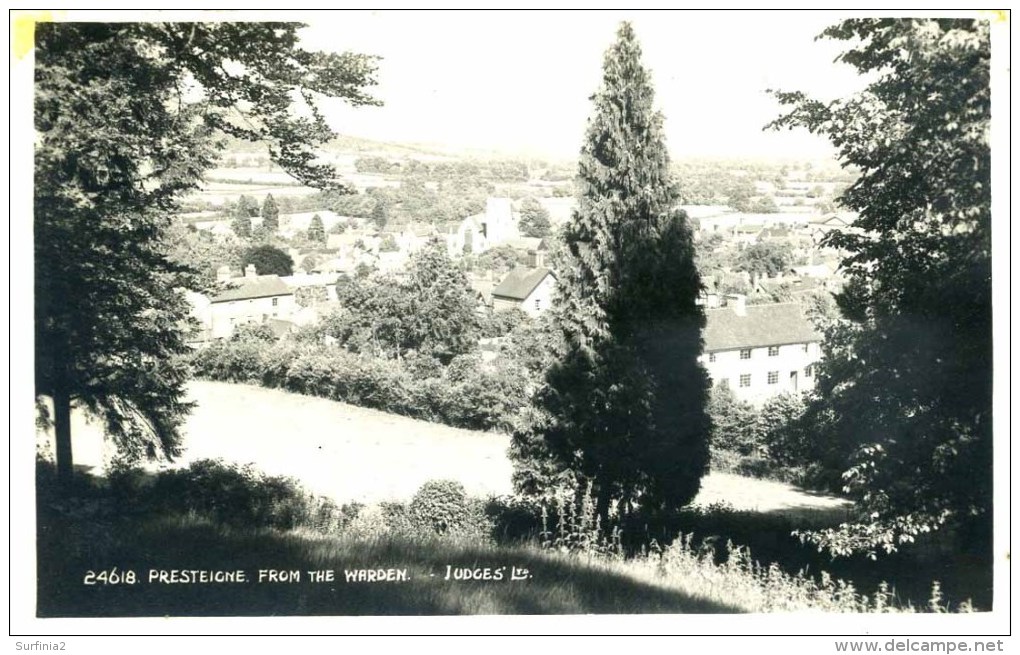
(247, 208)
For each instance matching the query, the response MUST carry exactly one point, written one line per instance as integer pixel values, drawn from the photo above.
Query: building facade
(760, 351)
(249, 299)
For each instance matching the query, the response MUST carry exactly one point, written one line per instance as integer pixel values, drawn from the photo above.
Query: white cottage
(249, 299)
(760, 351)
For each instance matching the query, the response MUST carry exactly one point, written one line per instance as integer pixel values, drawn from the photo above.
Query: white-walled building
(760, 351)
(476, 234)
(528, 288)
(249, 299)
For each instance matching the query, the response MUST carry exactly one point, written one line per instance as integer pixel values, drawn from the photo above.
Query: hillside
(352, 453)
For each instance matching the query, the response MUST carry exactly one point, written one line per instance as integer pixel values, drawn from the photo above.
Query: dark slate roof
(249, 288)
(520, 282)
(764, 325)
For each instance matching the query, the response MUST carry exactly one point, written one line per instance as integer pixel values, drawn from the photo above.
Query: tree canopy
(268, 260)
(430, 312)
(764, 258)
(127, 116)
(534, 220)
(623, 407)
(905, 386)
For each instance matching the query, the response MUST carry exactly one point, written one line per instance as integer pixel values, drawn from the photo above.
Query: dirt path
(352, 453)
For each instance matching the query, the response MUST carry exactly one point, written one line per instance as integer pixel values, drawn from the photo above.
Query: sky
(521, 81)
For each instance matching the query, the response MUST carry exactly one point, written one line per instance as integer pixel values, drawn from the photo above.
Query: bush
(502, 323)
(734, 423)
(514, 518)
(440, 505)
(238, 496)
(257, 332)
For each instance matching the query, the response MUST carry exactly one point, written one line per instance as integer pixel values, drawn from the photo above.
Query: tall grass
(571, 565)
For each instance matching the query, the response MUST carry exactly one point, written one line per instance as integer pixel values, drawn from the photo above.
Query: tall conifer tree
(270, 215)
(624, 406)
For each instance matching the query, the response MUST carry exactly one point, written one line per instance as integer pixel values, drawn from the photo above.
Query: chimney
(249, 270)
(739, 303)
(223, 274)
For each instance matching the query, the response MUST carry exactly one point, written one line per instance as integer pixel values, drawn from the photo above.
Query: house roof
(763, 325)
(530, 244)
(452, 227)
(249, 288)
(520, 282)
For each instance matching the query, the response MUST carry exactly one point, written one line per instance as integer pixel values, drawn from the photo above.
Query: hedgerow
(468, 395)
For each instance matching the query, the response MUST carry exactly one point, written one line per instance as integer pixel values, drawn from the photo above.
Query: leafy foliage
(534, 221)
(764, 259)
(499, 259)
(268, 260)
(623, 407)
(905, 384)
(316, 231)
(257, 332)
(440, 505)
(431, 311)
(118, 144)
(239, 496)
(734, 423)
(202, 251)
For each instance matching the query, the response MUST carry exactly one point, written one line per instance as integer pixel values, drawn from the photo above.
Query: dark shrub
(234, 495)
(440, 505)
(514, 518)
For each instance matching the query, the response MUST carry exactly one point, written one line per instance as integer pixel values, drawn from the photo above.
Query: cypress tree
(316, 230)
(623, 407)
(270, 215)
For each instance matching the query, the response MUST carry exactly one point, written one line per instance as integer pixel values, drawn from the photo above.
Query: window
(275, 301)
(773, 377)
(773, 351)
(711, 357)
(745, 353)
(538, 303)
(745, 380)
(805, 347)
(809, 371)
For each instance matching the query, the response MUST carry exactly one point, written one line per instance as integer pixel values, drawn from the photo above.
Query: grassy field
(355, 454)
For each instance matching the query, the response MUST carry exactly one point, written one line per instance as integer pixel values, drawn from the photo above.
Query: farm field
(352, 453)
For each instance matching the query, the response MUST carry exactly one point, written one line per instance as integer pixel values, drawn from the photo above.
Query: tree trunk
(62, 434)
